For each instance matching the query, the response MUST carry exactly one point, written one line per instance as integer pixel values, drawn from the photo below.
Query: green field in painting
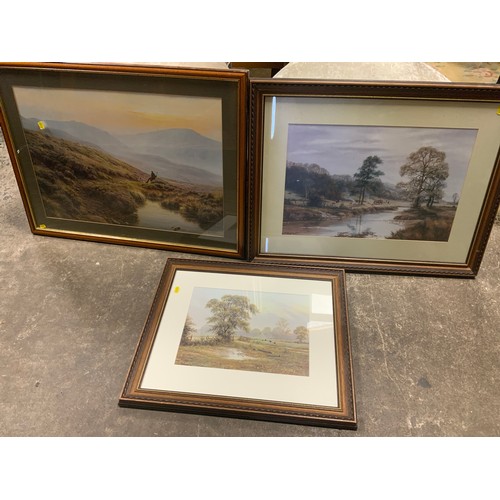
(258, 355)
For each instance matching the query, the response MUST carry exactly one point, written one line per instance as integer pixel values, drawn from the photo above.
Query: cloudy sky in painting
(123, 112)
(341, 149)
(296, 309)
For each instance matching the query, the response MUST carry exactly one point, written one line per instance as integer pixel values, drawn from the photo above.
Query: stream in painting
(375, 225)
(153, 215)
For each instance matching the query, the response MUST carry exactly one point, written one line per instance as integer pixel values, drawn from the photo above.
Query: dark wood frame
(230, 85)
(342, 416)
(262, 88)
(273, 67)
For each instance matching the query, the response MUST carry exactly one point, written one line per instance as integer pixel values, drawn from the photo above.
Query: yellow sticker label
(41, 125)
(498, 110)
(42, 226)
(176, 289)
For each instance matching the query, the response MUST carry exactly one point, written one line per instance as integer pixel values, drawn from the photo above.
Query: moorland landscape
(110, 157)
(84, 182)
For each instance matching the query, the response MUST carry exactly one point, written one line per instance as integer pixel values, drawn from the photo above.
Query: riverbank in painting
(374, 181)
(387, 220)
(249, 354)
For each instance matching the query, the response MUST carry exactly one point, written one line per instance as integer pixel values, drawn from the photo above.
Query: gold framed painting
(136, 155)
(249, 341)
(374, 176)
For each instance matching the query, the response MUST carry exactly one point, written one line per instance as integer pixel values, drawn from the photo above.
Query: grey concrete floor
(426, 351)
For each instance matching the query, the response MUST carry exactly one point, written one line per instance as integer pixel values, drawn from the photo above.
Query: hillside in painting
(179, 145)
(81, 182)
(180, 154)
(75, 131)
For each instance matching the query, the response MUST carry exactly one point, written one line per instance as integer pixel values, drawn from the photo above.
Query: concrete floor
(426, 351)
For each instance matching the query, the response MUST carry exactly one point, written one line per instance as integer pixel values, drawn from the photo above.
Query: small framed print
(374, 176)
(246, 340)
(136, 155)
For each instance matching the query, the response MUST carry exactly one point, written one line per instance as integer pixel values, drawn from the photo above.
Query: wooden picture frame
(138, 155)
(249, 341)
(420, 161)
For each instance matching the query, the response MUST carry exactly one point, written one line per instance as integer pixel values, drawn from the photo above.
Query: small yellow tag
(41, 125)
(498, 110)
(43, 226)
(176, 289)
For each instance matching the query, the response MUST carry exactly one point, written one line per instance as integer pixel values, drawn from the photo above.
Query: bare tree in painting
(282, 328)
(427, 170)
(435, 190)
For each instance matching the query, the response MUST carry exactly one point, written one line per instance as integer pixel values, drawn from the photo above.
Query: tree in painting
(225, 329)
(313, 183)
(230, 313)
(366, 174)
(435, 190)
(188, 331)
(427, 171)
(301, 333)
(282, 328)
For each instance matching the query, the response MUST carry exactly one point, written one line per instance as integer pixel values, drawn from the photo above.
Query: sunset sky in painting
(123, 112)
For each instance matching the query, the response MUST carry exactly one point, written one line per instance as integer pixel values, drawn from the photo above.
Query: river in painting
(153, 215)
(377, 224)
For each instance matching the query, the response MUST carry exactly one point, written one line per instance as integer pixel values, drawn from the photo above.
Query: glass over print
(374, 182)
(126, 158)
(247, 330)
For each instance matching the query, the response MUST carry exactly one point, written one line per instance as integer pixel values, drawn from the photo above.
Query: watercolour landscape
(251, 331)
(145, 160)
(374, 181)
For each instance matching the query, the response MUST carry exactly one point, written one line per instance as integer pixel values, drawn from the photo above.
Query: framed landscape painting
(146, 156)
(380, 177)
(246, 340)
